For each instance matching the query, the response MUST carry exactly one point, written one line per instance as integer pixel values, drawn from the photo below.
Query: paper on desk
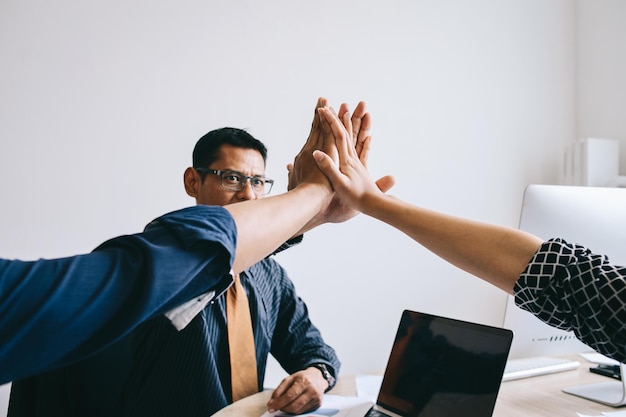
(367, 386)
(595, 357)
(607, 414)
(334, 406)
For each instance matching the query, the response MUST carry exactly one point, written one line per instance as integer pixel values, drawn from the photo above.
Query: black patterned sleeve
(571, 288)
(288, 244)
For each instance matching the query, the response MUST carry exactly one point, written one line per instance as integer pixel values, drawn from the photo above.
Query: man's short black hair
(206, 150)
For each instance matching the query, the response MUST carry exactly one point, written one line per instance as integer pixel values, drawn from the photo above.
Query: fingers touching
(340, 142)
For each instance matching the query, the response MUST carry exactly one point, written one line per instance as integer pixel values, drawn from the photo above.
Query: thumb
(326, 164)
(328, 168)
(385, 183)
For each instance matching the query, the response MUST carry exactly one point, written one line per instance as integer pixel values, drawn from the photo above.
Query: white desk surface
(539, 396)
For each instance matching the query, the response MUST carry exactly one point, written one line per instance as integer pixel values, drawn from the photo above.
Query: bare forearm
(263, 225)
(494, 253)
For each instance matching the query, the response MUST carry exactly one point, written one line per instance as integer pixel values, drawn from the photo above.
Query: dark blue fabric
(54, 312)
(184, 373)
(187, 373)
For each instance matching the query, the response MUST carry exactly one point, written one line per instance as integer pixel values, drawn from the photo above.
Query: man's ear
(192, 182)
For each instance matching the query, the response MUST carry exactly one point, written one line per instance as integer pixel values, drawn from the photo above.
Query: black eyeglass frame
(268, 183)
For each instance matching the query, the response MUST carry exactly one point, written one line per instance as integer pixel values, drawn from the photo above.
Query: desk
(254, 405)
(539, 396)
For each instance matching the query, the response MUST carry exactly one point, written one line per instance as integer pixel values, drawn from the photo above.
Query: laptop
(441, 367)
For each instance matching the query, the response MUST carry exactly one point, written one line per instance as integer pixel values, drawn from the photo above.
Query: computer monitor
(592, 216)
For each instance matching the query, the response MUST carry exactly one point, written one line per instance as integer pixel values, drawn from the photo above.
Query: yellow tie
(240, 342)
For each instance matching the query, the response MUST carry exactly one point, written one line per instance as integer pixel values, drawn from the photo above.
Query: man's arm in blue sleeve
(54, 312)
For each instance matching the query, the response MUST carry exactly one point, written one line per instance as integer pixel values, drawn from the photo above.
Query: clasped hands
(335, 154)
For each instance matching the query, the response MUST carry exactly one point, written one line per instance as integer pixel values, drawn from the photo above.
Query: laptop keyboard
(375, 413)
(538, 365)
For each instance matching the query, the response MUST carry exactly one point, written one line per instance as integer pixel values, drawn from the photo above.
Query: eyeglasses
(236, 181)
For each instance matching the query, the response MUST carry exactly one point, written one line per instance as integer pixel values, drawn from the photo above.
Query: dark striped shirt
(187, 373)
(182, 373)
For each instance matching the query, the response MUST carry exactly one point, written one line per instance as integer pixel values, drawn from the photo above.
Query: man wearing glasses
(187, 372)
(165, 368)
(172, 366)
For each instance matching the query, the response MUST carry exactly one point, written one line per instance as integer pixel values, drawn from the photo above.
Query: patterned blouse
(571, 288)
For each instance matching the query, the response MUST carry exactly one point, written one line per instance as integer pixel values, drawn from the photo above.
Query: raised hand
(355, 131)
(347, 172)
(304, 169)
(358, 127)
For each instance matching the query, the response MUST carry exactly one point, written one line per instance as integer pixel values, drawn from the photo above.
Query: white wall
(601, 65)
(101, 103)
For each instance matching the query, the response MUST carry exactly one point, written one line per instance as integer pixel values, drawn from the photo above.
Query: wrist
(320, 194)
(373, 204)
(326, 374)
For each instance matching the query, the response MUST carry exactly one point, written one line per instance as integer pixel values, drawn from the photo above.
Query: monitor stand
(611, 393)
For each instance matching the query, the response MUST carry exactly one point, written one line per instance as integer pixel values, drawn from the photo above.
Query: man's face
(210, 192)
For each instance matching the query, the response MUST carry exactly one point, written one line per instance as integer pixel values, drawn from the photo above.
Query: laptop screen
(444, 367)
